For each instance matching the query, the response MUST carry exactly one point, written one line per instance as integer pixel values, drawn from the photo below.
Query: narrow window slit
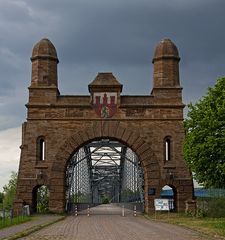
(41, 149)
(167, 150)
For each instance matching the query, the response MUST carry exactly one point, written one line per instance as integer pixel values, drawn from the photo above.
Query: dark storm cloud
(123, 32)
(119, 36)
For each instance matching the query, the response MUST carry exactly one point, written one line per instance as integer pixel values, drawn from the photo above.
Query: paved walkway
(39, 220)
(112, 227)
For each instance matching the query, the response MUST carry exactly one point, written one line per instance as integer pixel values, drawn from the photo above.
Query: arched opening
(40, 199)
(169, 192)
(104, 171)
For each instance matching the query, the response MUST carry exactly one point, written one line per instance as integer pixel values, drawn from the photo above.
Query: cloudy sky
(103, 35)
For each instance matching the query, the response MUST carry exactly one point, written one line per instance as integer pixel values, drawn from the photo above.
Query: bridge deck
(113, 227)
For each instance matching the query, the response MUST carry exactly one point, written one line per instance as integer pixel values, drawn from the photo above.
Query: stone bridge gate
(58, 125)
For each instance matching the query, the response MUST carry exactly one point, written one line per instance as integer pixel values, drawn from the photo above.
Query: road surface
(112, 227)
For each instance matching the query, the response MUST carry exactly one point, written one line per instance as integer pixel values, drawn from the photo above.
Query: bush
(200, 212)
(105, 200)
(216, 207)
(211, 207)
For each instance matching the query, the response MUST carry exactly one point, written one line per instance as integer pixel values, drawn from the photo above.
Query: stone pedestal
(190, 206)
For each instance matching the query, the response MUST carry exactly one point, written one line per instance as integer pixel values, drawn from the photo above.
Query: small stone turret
(44, 77)
(166, 65)
(44, 64)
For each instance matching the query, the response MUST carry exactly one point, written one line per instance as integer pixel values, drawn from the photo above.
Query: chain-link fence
(210, 202)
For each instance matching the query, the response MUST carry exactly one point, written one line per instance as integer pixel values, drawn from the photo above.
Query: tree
(10, 191)
(204, 147)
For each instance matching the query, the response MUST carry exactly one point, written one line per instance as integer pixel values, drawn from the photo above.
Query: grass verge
(212, 227)
(14, 221)
(34, 229)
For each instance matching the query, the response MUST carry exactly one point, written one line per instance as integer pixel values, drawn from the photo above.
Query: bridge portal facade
(58, 126)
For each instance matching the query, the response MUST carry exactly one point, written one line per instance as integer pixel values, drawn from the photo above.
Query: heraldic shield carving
(105, 103)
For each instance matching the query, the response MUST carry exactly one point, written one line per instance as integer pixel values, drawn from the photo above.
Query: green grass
(214, 227)
(16, 220)
(34, 229)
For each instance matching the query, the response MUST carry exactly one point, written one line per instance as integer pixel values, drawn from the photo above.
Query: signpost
(161, 204)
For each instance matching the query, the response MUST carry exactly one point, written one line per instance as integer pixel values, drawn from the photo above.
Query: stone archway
(108, 129)
(57, 125)
(40, 195)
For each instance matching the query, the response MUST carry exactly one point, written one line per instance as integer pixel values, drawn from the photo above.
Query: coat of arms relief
(105, 103)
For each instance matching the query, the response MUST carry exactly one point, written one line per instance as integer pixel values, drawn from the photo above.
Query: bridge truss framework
(101, 170)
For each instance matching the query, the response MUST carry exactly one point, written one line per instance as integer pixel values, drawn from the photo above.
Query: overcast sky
(94, 36)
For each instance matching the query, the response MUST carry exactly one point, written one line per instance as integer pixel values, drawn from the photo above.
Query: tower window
(41, 149)
(167, 149)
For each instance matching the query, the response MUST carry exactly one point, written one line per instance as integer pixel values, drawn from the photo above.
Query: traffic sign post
(161, 204)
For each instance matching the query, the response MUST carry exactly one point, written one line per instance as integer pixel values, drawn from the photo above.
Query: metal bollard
(76, 211)
(123, 212)
(135, 211)
(88, 211)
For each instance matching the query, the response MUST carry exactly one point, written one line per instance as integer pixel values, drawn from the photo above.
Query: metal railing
(9, 216)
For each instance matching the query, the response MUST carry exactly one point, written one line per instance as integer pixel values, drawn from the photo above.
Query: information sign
(161, 204)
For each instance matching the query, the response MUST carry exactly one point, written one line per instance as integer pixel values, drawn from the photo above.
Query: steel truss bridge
(104, 170)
